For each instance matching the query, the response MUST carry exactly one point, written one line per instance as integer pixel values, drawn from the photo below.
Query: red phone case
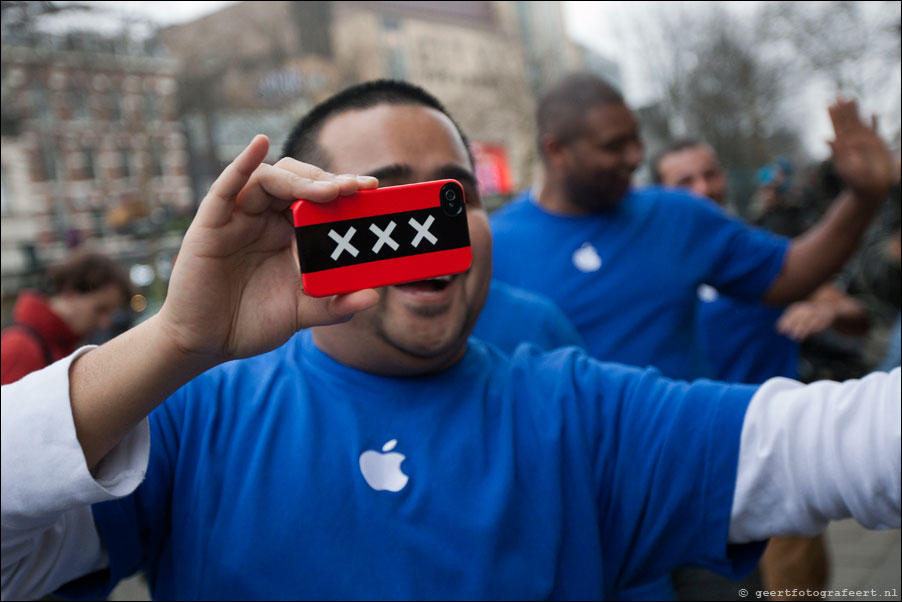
(380, 237)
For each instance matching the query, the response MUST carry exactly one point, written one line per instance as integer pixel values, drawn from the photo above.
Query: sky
(599, 26)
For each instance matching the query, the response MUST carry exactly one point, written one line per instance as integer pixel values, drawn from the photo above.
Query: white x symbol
(384, 238)
(344, 243)
(423, 231)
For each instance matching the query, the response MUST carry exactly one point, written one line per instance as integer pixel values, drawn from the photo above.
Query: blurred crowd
(789, 205)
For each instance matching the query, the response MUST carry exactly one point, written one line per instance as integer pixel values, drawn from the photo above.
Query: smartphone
(382, 237)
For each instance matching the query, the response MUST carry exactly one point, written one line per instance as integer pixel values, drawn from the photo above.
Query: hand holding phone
(382, 237)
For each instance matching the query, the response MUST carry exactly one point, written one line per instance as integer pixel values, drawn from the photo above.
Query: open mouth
(425, 287)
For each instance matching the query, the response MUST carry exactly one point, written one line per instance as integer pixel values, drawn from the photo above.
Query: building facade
(93, 151)
(258, 66)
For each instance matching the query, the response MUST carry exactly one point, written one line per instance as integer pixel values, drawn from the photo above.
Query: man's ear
(553, 149)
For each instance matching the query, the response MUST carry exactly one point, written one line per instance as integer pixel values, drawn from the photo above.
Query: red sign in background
(492, 169)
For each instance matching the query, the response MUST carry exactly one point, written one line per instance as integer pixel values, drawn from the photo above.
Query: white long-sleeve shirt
(808, 454)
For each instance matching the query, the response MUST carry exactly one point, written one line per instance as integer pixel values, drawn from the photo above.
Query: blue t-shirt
(740, 340)
(524, 477)
(512, 316)
(627, 278)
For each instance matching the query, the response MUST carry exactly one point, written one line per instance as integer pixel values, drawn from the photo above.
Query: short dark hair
(674, 146)
(86, 272)
(562, 108)
(302, 142)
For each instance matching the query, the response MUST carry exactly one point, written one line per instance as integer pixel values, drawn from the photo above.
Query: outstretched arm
(866, 168)
(814, 453)
(829, 307)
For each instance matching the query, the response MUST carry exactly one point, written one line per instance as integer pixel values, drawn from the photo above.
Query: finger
(320, 312)
(348, 183)
(786, 329)
(796, 332)
(216, 208)
(804, 329)
(844, 116)
(351, 183)
(271, 188)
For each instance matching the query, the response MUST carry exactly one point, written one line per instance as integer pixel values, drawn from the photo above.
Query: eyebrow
(400, 171)
(456, 172)
(396, 171)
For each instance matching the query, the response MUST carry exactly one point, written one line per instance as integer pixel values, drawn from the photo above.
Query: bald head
(563, 108)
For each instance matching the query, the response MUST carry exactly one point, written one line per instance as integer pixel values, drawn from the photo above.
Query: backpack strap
(38, 338)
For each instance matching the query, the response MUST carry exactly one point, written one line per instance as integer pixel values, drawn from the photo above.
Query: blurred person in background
(871, 277)
(750, 343)
(625, 264)
(893, 355)
(763, 340)
(774, 206)
(82, 294)
(875, 278)
(512, 316)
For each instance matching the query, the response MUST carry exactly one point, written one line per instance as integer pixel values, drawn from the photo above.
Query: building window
(397, 63)
(4, 199)
(313, 22)
(150, 107)
(125, 157)
(40, 102)
(114, 105)
(156, 159)
(78, 102)
(88, 164)
(48, 159)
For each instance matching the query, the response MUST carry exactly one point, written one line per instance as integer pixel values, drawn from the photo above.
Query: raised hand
(235, 289)
(805, 318)
(861, 158)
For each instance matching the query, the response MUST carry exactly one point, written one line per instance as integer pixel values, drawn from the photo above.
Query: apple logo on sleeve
(586, 259)
(382, 470)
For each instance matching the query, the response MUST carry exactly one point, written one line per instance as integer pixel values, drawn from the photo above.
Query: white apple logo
(586, 258)
(707, 293)
(382, 471)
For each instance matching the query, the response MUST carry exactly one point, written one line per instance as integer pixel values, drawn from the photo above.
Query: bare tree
(715, 84)
(847, 43)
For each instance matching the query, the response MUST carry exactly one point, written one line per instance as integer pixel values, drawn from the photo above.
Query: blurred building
(92, 148)
(258, 66)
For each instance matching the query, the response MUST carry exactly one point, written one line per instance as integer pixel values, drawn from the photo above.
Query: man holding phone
(385, 456)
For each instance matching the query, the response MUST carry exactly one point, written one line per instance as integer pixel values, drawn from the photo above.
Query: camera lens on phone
(451, 200)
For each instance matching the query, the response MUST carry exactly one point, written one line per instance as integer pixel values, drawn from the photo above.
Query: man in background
(749, 342)
(82, 294)
(762, 341)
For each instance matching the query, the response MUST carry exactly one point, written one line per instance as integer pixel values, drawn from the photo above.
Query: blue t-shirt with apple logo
(292, 476)
(740, 340)
(627, 278)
